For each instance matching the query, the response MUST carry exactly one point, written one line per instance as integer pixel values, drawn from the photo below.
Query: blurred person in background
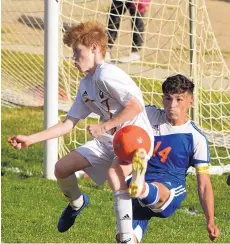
(137, 10)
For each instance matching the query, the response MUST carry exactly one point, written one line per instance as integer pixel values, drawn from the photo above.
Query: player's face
(83, 58)
(176, 106)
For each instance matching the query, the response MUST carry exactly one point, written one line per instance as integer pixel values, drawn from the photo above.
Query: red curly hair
(87, 34)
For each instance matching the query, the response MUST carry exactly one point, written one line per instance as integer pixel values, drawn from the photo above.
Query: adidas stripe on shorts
(142, 215)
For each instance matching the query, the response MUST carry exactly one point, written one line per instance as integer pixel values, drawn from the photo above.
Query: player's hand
(20, 141)
(213, 231)
(96, 130)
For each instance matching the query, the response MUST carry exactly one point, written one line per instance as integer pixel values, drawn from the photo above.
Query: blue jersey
(175, 148)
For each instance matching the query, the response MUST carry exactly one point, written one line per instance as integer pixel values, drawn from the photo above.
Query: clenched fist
(213, 232)
(96, 130)
(20, 141)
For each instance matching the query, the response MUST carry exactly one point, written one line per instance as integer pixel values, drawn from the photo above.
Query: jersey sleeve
(119, 86)
(79, 109)
(201, 151)
(155, 115)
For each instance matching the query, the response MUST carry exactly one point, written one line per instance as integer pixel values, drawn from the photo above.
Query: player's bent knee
(164, 192)
(155, 196)
(59, 171)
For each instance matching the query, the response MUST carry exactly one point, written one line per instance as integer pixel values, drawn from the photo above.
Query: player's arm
(207, 202)
(60, 129)
(77, 111)
(131, 110)
(201, 159)
(126, 93)
(55, 131)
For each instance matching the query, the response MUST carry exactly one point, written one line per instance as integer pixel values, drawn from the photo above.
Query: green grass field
(31, 205)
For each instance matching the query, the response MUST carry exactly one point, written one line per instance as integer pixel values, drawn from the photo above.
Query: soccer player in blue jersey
(178, 144)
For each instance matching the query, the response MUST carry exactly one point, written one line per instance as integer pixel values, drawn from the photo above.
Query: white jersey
(106, 93)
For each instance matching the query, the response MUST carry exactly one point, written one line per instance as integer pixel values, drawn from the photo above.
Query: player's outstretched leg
(69, 215)
(139, 164)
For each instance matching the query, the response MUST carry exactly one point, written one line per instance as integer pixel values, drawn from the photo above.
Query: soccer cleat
(134, 56)
(69, 215)
(139, 164)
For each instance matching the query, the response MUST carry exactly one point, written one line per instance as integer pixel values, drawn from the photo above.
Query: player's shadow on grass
(36, 22)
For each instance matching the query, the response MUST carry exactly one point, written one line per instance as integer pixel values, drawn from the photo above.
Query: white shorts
(100, 155)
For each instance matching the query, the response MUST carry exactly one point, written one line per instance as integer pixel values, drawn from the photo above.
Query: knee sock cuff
(152, 196)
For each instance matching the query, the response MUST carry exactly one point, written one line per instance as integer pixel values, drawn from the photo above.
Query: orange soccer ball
(128, 139)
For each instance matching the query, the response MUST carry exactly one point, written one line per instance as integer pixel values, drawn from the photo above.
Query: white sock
(124, 215)
(145, 194)
(71, 191)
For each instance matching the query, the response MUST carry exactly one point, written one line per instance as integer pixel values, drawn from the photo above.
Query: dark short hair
(177, 84)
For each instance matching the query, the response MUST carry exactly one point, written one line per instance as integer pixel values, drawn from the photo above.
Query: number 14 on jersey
(162, 153)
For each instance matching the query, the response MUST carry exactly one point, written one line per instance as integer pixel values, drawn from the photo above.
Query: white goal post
(51, 62)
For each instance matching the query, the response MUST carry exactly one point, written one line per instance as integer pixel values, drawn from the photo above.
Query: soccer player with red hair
(109, 92)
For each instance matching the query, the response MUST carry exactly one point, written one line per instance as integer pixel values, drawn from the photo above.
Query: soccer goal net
(177, 38)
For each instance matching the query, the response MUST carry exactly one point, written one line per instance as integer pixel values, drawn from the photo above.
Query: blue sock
(150, 196)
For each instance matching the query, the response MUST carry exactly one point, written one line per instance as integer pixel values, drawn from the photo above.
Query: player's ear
(191, 101)
(94, 47)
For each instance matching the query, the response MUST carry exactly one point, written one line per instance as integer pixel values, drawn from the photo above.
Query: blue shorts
(142, 215)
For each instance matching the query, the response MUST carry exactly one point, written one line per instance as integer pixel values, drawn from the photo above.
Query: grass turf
(31, 205)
